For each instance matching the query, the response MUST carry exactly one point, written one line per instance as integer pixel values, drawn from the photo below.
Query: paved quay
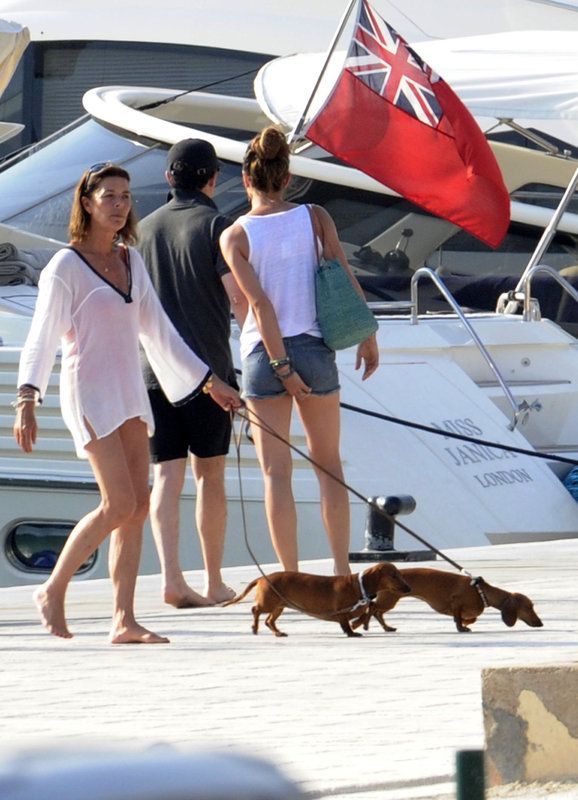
(360, 719)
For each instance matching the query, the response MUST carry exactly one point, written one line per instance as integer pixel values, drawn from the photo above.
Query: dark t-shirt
(179, 243)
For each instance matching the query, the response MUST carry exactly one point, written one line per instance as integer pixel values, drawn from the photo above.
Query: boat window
(36, 194)
(463, 254)
(539, 194)
(363, 219)
(36, 191)
(35, 546)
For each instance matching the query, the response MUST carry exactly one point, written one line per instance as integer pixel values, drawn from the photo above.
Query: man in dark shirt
(180, 246)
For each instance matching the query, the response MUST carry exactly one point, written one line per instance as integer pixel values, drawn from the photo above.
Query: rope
(397, 421)
(167, 100)
(449, 434)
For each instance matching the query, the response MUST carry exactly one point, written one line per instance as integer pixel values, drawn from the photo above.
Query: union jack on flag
(383, 60)
(390, 116)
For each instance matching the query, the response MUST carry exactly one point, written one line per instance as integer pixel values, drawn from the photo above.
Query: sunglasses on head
(93, 170)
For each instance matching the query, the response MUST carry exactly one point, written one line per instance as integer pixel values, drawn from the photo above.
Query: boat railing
(520, 292)
(526, 288)
(520, 410)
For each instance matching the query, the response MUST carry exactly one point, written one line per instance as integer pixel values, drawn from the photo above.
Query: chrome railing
(545, 241)
(520, 410)
(526, 287)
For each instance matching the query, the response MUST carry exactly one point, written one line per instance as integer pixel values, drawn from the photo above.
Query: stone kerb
(531, 723)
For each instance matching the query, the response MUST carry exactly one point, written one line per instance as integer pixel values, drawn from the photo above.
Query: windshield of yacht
(384, 237)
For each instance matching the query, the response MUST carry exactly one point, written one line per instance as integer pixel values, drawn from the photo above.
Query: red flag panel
(393, 119)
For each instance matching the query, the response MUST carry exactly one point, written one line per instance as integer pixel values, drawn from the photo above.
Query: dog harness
(365, 599)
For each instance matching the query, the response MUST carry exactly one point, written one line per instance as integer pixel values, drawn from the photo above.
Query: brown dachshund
(337, 598)
(455, 595)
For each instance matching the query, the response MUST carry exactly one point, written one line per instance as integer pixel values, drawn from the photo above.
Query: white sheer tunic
(99, 329)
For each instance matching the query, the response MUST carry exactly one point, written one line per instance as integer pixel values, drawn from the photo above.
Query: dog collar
(476, 583)
(364, 596)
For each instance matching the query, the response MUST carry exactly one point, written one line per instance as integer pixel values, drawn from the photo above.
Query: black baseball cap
(192, 156)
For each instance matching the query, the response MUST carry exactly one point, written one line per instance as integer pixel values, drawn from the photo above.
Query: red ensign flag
(393, 118)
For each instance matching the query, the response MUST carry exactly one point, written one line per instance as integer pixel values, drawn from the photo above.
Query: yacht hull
(468, 491)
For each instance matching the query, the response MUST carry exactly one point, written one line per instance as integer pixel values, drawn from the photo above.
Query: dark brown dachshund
(453, 594)
(336, 598)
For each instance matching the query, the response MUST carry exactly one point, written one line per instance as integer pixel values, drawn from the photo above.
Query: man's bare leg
(211, 519)
(169, 478)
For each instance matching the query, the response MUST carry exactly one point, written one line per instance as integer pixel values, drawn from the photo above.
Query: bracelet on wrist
(26, 394)
(208, 385)
(20, 401)
(278, 363)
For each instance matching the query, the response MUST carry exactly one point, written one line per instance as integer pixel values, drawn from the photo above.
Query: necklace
(107, 268)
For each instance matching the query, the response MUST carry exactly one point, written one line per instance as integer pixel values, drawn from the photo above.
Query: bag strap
(314, 223)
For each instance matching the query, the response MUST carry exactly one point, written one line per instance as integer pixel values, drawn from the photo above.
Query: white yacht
(450, 364)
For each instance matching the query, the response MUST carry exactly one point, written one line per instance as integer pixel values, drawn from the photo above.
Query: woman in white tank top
(272, 254)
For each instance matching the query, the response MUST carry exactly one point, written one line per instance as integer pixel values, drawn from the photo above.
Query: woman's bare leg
(126, 540)
(118, 505)
(321, 420)
(276, 465)
(107, 459)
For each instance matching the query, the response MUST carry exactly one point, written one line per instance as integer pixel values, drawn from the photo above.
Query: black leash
(364, 599)
(254, 419)
(397, 421)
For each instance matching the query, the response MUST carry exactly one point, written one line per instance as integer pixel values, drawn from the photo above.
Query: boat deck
(362, 719)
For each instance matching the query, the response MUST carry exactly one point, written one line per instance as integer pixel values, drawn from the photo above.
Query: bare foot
(51, 614)
(221, 594)
(135, 634)
(188, 598)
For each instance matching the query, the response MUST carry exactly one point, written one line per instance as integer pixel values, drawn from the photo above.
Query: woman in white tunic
(96, 301)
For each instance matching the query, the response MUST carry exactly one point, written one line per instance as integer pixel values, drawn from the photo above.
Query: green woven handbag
(343, 315)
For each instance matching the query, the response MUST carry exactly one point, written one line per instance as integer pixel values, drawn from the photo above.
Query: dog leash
(254, 419)
(364, 599)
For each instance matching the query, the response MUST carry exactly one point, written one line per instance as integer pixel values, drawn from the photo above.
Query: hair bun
(271, 144)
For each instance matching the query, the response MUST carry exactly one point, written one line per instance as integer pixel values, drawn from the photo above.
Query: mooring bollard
(470, 777)
(379, 531)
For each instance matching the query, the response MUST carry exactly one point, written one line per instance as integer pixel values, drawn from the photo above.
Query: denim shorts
(310, 357)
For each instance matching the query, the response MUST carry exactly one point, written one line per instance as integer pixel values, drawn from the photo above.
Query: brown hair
(91, 179)
(266, 160)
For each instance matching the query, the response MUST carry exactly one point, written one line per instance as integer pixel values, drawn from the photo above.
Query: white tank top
(282, 253)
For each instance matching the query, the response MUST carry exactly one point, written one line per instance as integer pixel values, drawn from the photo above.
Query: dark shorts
(310, 357)
(200, 427)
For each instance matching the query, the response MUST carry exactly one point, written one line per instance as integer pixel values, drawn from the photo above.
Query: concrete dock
(364, 719)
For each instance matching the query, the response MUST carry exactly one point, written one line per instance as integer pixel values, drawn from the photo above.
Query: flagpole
(332, 46)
